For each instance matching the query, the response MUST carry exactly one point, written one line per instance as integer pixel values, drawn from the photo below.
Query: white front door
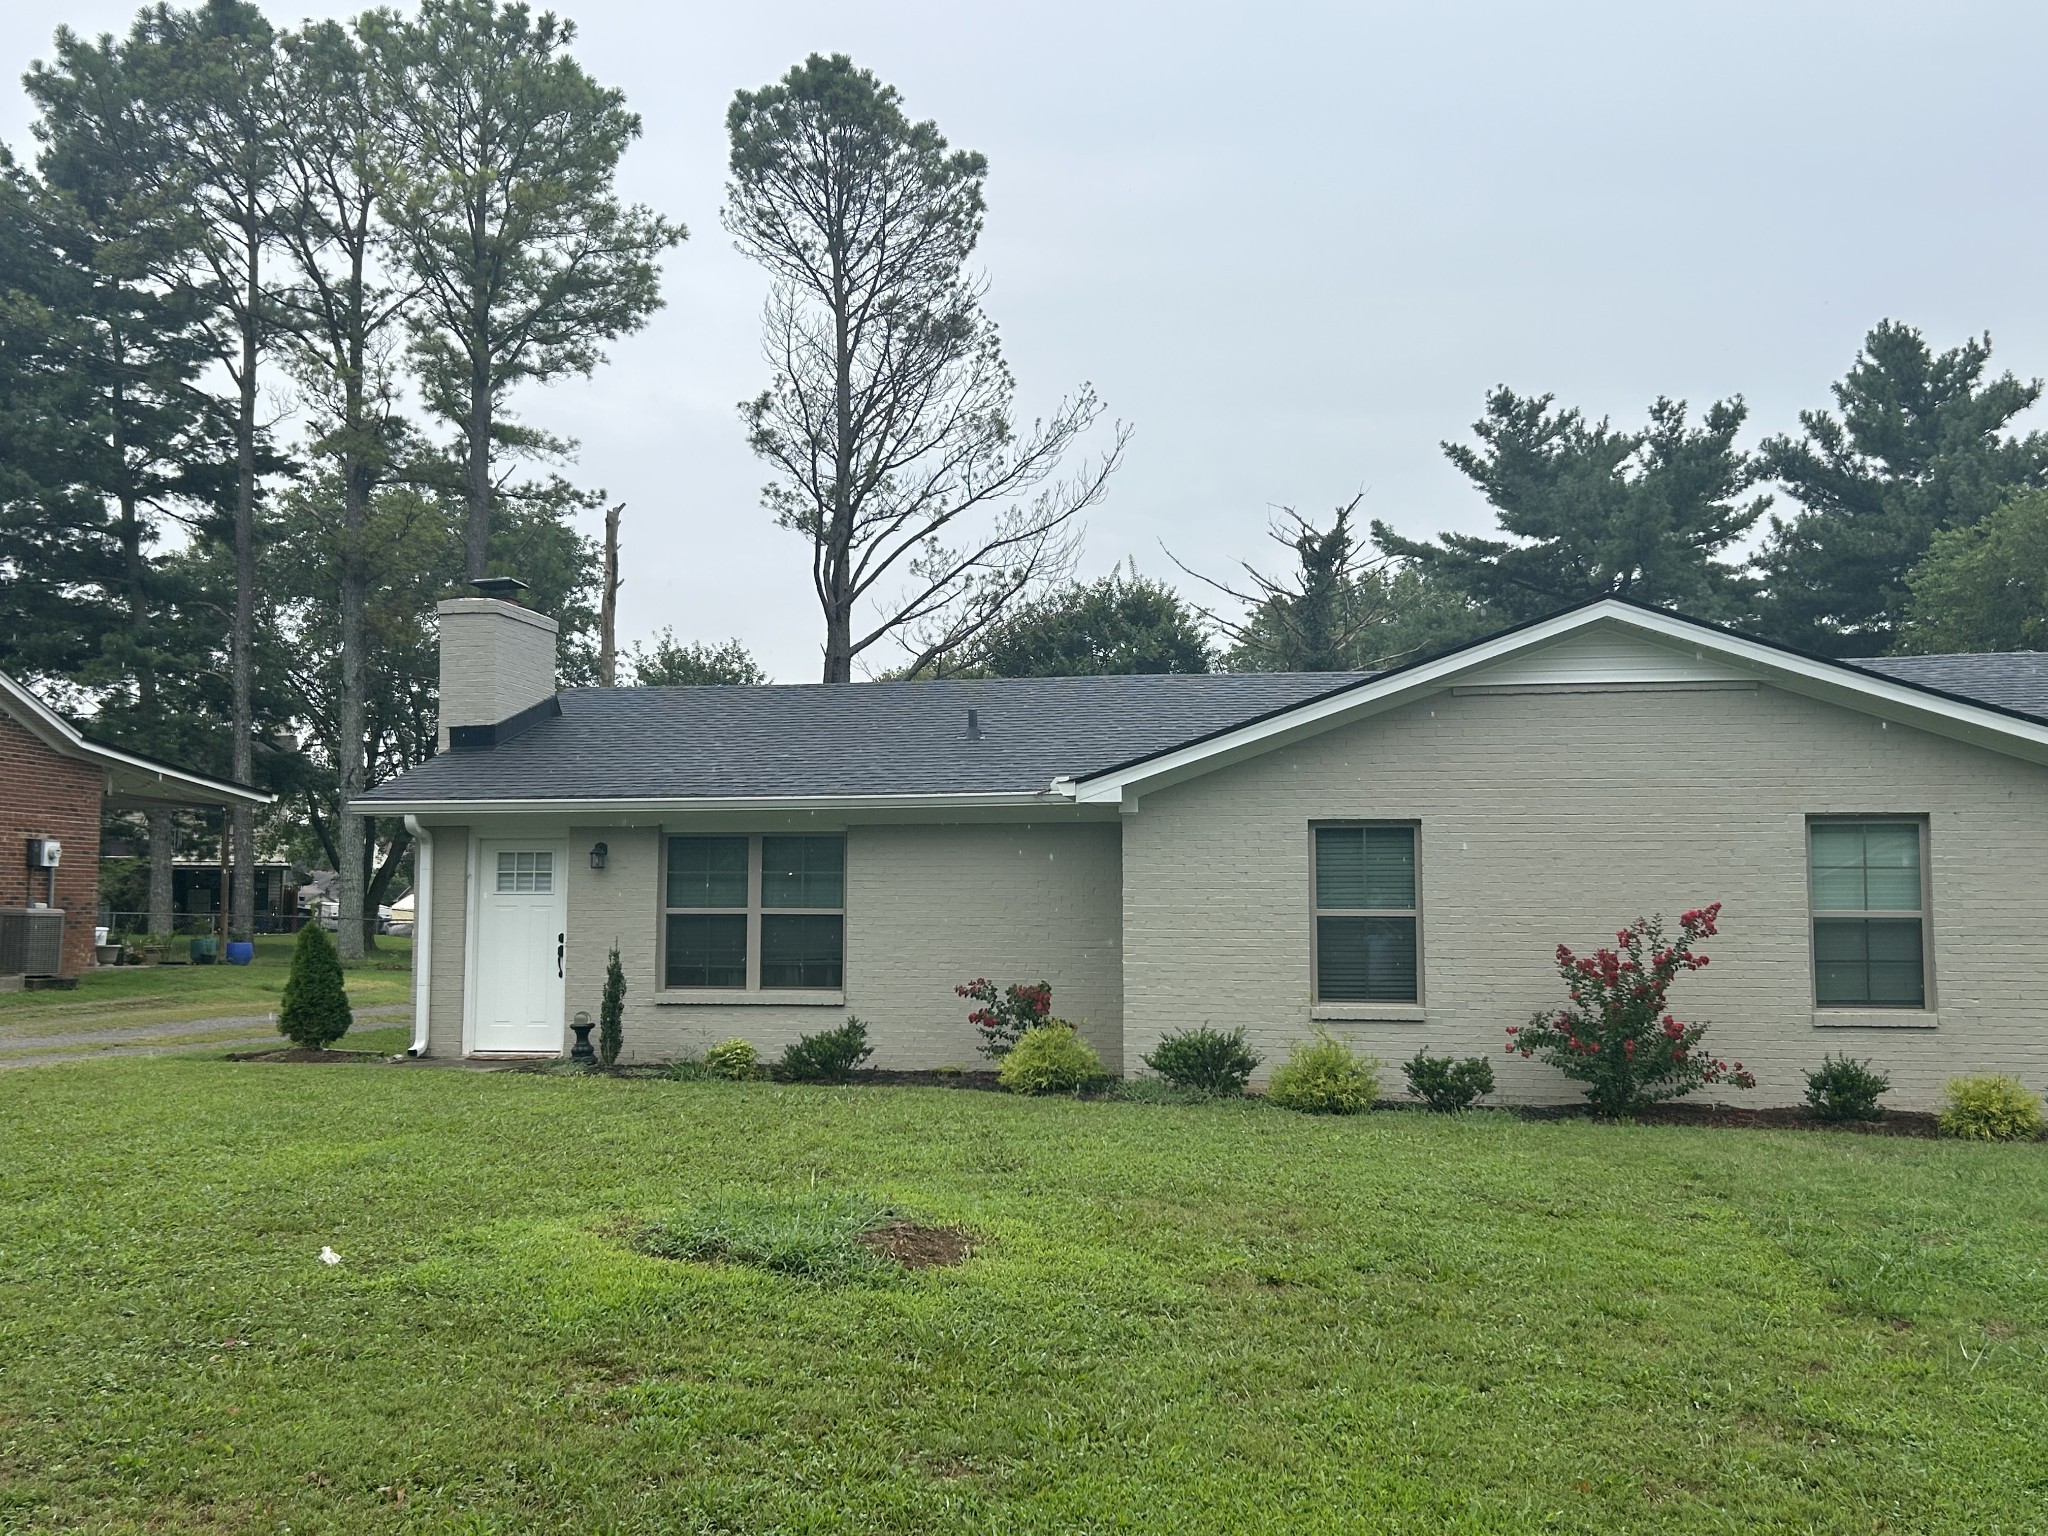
(522, 914)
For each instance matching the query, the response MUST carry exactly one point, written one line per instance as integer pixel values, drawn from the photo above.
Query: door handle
(561, 944)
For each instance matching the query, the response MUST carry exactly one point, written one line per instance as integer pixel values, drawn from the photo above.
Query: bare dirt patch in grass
(916, 1246)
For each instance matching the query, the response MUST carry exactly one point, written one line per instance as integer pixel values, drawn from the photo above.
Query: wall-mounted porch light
(597, 855)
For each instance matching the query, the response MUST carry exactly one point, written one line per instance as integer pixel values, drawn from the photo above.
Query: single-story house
(1393, 857)
(55, 782)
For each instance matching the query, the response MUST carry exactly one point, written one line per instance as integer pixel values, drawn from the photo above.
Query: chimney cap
(505, 588)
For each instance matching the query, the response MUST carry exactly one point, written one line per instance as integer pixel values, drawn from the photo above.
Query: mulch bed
(1896, 1122)
(298, 1053)
(918, 1247)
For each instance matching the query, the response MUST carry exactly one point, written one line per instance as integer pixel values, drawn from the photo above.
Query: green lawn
(154, 994)
(1220, 1318)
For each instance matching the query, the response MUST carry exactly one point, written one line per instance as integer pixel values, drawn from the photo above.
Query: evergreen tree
(611, 1012)
(499, 186)
(1983, 586)
(1121, 624)
(315, 1011)
(1923, 443)
(1593, 511)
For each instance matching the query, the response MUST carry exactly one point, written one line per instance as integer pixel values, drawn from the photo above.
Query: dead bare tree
(889, 420)
(608, 603)
(1323, 616)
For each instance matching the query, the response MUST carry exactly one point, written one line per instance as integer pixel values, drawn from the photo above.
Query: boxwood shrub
(1204, 1059)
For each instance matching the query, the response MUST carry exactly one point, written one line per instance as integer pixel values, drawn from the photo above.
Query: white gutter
(422, 931)
(1014, 800)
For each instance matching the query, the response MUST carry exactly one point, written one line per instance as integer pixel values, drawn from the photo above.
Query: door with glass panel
(521, 942)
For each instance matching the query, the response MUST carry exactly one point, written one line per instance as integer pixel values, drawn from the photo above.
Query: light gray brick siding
(450, 904)
(927, 908)
(1558, 816)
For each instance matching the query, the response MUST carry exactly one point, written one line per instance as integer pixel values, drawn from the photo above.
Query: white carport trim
(1832, 681)
(58, 734)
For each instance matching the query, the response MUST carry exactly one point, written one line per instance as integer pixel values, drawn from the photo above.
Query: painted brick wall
(450, 901)
(927, 907)
(1549, 817)
(45, 795)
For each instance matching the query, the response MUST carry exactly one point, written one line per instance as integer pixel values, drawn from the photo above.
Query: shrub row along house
(1393, 857)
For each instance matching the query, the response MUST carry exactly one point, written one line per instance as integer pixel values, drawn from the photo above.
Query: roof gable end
(1606, 643)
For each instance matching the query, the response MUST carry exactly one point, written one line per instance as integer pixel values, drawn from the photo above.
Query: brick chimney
(497, 666)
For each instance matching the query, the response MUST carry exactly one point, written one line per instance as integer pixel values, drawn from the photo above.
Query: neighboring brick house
(56, 783)
(1392, 856)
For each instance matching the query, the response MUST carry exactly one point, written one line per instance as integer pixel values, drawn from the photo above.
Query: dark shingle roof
(850, 738)
(2014, 680)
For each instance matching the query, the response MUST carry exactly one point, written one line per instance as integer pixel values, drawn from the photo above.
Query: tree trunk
(608, 613)
(349, 747)
(242, 643)
(838, 533)
(163, 850)
(476, 544)
(362, 926)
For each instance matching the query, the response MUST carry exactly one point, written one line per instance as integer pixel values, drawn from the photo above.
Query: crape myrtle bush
(1618, 1036)
(1447, 1085)
(1990, 1107)
(1005, 1015)
(830, 1056)
(1842, 1089)
(1204, 1059)
(1324, 1076)
(1050, 1058)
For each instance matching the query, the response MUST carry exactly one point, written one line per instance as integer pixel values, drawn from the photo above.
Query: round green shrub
(1991, 1107)
(736, 1059)
(1842, 1090)
(1324, 1076)
(315, 1012)
(1206, 1060)
(1050, 1058)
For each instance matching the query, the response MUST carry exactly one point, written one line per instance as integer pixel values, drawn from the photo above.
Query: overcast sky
(1294, 245)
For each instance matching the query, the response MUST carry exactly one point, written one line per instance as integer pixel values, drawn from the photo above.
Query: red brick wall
(45, 795)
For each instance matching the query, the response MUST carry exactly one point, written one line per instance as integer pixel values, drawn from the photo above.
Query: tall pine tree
(1922, 444)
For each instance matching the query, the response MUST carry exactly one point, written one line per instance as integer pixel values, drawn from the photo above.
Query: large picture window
(1366, 915)
(755, 913)
(1868, 885)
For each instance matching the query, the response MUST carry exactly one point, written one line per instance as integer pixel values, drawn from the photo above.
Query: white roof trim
(1018, 800)
(1834, 682)
(58, 734)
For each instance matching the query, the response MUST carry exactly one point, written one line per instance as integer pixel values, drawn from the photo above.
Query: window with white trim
(763, 913)
(1367, 923)
(1868, 892)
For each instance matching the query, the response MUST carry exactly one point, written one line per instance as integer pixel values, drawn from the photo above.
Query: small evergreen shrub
(1842, 1089)
(1447, 1085)
(1050, 1058)
(314, 1013)
(1324, 1076)
(734, 1059)
(611, 1012)
(830, 1056)
(1204, 1059)
(1991, 1107)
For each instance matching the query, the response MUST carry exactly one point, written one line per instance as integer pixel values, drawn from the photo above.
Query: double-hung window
(755, 913)
(1366, 915)
(1868, 885)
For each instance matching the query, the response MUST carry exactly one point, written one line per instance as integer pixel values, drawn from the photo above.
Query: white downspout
(422, 931)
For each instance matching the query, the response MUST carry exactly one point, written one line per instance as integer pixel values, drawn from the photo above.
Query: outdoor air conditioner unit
(31, 941)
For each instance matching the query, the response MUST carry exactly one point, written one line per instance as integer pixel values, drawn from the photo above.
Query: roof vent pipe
(974, 725)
